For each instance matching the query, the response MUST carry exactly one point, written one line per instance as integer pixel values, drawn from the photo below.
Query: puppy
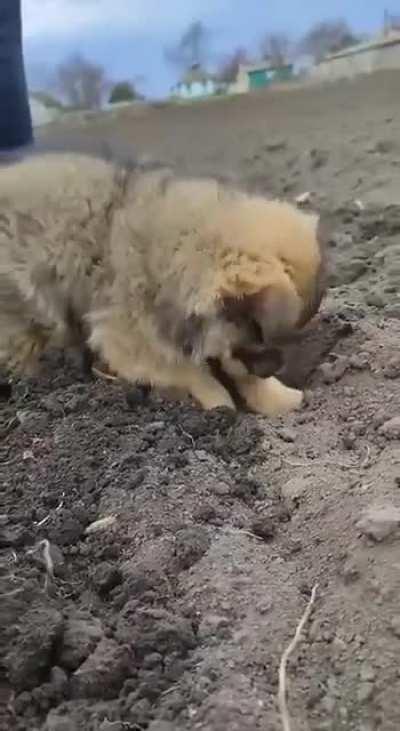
(155, 274)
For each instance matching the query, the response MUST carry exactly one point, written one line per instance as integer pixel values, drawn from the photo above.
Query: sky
(128, 37)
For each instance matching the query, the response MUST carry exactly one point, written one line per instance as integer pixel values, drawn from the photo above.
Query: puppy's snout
(296, 335)
(260, 361)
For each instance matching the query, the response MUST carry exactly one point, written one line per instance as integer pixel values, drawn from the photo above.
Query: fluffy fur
(158, 275)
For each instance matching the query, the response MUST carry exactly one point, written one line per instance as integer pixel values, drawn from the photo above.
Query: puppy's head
(273, 273)
(265, 277)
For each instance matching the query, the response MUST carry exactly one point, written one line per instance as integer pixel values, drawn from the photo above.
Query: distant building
(258, 76)
(195, 84)
(383, 52)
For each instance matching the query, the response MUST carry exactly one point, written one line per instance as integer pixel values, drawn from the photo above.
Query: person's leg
(15, 115)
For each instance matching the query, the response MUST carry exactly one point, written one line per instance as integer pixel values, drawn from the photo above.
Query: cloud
(68, 18)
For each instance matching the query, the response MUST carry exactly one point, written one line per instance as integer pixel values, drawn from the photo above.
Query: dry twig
(284, 661)
(105, 376)
(47, 559)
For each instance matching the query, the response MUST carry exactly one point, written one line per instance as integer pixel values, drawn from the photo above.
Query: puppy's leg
(187, 377)
(197, 380)
(133, 359)
(267, 396)
(201, 384)
(21, 348)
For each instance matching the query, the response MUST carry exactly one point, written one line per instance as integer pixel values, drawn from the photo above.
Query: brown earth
(173, 614)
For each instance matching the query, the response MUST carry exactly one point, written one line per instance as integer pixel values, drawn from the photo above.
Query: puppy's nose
(260, 361)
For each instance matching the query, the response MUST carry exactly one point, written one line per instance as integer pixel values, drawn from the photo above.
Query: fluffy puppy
(157, 275)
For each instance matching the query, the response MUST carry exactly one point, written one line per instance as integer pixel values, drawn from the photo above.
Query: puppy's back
(54, 221)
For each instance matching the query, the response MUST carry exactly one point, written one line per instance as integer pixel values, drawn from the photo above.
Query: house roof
(249, 68)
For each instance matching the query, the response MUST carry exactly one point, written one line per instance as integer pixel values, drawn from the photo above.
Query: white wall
(345, 67)
(196, 89)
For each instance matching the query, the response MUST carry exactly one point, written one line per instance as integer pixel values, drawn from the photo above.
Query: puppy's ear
(324, 231)
(276, 310)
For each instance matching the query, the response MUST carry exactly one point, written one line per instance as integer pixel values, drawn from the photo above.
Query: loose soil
(155, 559)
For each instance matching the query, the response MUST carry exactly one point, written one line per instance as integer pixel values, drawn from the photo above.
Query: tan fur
(149, 270)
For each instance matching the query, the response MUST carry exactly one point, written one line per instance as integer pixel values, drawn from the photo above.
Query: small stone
(339, 645)
(391, 429)
(59, 680)
(14, 536)
(214, 625)
(395, 626)
(294, 489)
(383, 147)
(104, 671)
(359, 362)
(392, 368)
(275, 146)
(21, 702)
(318, 158)
(379, 523)
(156, 426)
(375, 299)
(31, 421)
(106, 577)
(190, 545)
(100, 524)
(57, 722)
(288, 435)
(31, 655)
(153, 660)
(221, 488)
(393, 311)
(75, 403)
(359, 428)
(332, 372)
(303, 198)
(52, 404)
(81, 635)
(349, 441)
(351, 571)
(365, 692)
(263, 527)
(367, 673)
(112, 726)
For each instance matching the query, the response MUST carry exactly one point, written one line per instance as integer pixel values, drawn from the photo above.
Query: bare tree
(192, 48)
(275, 47)
(230, 65)
(329, 36)
(82, 82)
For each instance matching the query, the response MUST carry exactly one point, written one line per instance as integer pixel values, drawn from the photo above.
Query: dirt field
(173, 613)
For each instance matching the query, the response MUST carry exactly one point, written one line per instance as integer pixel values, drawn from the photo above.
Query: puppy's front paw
(270, 397)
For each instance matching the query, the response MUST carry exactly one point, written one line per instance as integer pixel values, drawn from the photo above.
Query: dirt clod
(37, 634)
(379, 523)
(391, 429)
(82, 633)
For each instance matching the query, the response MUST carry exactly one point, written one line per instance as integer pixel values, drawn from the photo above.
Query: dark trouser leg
(15, 115)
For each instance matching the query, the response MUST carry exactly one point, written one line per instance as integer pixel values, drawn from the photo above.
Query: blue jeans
(15, 115)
